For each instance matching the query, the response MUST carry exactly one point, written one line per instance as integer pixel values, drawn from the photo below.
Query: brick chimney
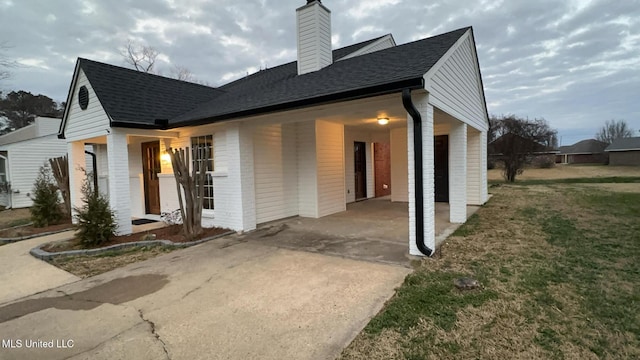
(314, 37)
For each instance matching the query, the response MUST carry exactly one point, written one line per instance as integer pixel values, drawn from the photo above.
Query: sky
(575, 63)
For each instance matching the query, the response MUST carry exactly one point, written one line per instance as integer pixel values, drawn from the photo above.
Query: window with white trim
(3, 170)
(202, 146)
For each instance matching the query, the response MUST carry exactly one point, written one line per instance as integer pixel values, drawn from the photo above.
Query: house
(588, 151)
(299, 139)
(22, 152)
(625, 151)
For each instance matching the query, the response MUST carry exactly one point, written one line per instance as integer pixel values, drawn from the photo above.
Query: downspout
(417, 170)
(95, 169)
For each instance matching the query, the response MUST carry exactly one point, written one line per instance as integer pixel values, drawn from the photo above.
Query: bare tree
(514, 141)
(5, 63)
(181, 73)
(141, 57)
(60, 168)
(614, 130)
(192, 185)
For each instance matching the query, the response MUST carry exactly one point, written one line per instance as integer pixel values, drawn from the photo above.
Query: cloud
(573, 62)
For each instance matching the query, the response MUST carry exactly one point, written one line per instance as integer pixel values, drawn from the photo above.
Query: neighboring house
(589, 151)
(22, 152)
(299, 139)
(624, 151)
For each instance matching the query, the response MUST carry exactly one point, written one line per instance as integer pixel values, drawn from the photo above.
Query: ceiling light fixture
(383, 121)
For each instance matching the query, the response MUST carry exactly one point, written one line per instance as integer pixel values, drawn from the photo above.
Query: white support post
(76, 158)
(119, 190)
(458, 173)
(474, 167)
(242, 209)
(421, 102)
(484, 186)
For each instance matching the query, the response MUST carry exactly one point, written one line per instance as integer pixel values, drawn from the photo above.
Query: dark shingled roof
(590, 146)
(136, 99)
(282, 87)
(625, 144)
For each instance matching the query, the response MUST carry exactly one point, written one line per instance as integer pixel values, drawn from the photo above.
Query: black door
(441, 167)
(360, 169)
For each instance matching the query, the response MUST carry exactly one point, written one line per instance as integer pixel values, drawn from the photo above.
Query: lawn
(560, 273)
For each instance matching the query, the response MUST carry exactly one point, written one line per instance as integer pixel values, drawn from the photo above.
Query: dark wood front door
(360, 169)
(150, 170)
(441, 167)
(382, 167)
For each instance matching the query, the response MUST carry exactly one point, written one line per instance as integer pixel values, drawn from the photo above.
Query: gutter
(418, 170)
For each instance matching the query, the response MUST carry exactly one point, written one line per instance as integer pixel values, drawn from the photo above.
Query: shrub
(96, 222)
(46, 202)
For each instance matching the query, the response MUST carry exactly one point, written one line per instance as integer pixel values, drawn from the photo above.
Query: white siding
(383, 43)
(89, 123)
(314, 38)
(119, 185)
(454, 85)
(275, 166)
(307, 172)
(330, 157)
(399, 165)
(25, 159)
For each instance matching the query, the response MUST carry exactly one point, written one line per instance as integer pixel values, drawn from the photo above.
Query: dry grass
(570, 172)
(559, 268)
(86, 266)
(14, 217)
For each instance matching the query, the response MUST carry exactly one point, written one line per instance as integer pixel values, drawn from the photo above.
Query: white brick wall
(421, 102)
(474, 167)
(399, 165)
(119, 187)
(458, 173)
(307, 172)
(330, 160)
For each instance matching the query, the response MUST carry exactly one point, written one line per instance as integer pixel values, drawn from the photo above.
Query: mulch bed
(32, 230)
(172, 233)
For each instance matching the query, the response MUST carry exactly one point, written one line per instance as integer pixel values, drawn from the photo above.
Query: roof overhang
(372, 91)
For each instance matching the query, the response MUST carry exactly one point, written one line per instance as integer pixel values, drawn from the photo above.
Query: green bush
(46, 202)
(96, 222)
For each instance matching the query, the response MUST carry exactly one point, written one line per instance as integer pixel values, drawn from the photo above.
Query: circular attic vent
(83, 97)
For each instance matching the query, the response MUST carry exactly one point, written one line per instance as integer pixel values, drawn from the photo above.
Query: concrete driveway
(226, 299)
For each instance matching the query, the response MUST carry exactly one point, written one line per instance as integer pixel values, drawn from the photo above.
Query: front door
(441, 167)
(150, 170)
(360, 169)
(382, 168)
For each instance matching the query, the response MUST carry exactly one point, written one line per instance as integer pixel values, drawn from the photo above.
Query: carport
(372, 230)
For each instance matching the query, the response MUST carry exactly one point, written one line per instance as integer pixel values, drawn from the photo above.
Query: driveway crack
(152, 325)
(197, 288)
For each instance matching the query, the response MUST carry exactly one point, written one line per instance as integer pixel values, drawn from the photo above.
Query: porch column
(242, 199)
(119, 193)
(421, 102)
(76, 158)
(484, 186)
(458, 173)
(474, 167)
